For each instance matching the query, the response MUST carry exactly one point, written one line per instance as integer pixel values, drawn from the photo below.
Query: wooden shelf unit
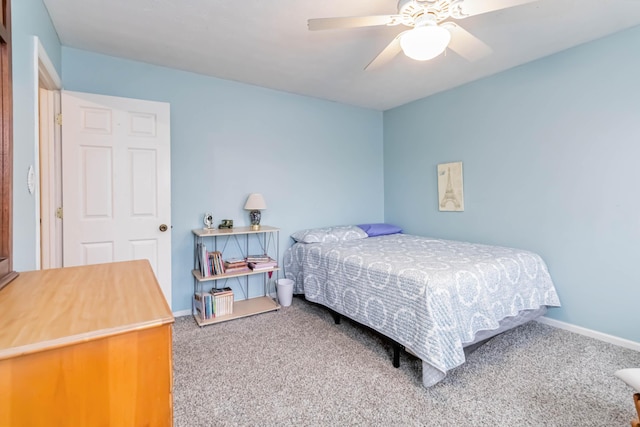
(268, 239)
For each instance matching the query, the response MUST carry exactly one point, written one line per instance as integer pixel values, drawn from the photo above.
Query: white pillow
(339, 233)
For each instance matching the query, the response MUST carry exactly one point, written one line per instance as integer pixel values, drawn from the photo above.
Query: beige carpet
(296, 367)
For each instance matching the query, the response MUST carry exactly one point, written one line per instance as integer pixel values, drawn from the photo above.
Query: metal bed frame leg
(397, 348)
(396, 354)
(336, 317)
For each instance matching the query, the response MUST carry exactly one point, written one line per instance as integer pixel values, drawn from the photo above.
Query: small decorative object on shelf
(255, 203)
(226, 223)
(208, 220)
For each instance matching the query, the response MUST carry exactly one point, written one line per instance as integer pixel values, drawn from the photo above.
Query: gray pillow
(340, 233)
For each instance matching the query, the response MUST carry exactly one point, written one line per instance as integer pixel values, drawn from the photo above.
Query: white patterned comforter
(432, 296)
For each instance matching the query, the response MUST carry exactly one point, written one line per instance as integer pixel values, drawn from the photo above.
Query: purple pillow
(380, 229)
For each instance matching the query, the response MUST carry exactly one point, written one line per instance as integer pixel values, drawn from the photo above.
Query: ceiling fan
(431, 30)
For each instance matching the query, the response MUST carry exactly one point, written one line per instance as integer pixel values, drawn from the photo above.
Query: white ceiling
(267, 43)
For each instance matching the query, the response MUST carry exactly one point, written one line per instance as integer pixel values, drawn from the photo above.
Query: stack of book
(217, 303)
(235, 265)
(261, 262)
(217, 265)
(222, 301)
(209, 263)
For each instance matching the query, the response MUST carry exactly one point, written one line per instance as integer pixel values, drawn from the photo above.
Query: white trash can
(285, 291)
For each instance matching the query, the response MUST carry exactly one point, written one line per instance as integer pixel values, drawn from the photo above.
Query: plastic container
(284, 289)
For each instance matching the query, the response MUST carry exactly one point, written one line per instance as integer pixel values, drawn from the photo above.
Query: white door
(116, 182)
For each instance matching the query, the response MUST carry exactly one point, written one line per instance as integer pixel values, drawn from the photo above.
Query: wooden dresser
(86, 346)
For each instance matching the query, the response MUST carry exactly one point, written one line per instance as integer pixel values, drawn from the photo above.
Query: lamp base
(254, 217)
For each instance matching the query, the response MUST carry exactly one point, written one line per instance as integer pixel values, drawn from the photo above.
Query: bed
(431, 296)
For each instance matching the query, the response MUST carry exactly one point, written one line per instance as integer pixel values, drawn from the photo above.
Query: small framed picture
(450, 187)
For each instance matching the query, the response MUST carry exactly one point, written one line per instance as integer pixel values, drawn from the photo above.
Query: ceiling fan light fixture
(425, 42)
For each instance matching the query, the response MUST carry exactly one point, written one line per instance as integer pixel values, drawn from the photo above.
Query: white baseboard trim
(181, 313)
(611, 339)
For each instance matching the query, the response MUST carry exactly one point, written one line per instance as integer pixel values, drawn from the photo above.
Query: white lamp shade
(423, 43)
(255, 202)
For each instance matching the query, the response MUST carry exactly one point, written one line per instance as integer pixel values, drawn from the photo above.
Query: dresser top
(46, 309)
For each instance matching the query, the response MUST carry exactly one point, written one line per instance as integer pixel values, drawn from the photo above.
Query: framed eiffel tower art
(450, 188)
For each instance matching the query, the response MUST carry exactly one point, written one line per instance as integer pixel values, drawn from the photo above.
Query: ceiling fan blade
(477, 7)
(387, 54)
(351, 22)
(466, 44)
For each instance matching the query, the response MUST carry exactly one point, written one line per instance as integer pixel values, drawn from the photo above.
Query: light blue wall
(550, 157)
(317, 163)
(549, 152)
(29, 18)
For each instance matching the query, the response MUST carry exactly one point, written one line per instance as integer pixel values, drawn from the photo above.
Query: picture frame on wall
(450, 187)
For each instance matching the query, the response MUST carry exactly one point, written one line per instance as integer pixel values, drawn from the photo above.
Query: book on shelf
(222, 291)
(234, 262)
(202, 257)
(222, 301)
(216, 263)
(198, 305)
(236, 270)
(219, 302)
(235, 265)
(209, 263)
(258, 258)
(260, 267)
(267, 264)
(203, 305)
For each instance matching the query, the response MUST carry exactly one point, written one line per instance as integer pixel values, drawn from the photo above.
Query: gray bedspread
(432, 296)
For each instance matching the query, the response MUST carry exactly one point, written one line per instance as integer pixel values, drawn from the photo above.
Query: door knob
(163, 227)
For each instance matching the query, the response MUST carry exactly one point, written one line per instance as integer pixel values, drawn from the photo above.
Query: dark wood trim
(6, 148)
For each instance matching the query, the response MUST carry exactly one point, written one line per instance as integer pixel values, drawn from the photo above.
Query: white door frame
(48, 198)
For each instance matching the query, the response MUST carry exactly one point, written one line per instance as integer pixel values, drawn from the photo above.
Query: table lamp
(255, 203)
